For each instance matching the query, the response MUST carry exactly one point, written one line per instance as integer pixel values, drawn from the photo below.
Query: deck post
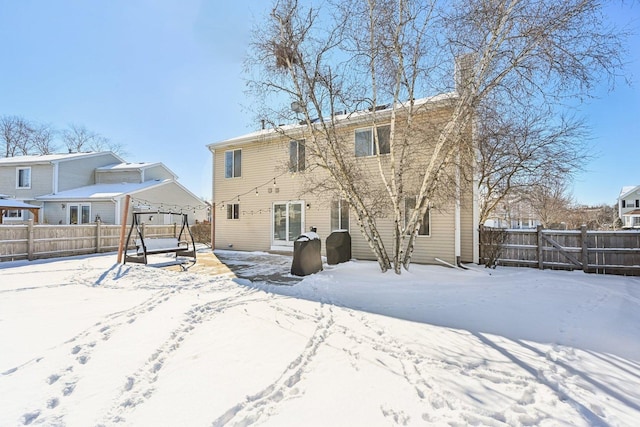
(98, 236)
(30, 248)
(123, 227)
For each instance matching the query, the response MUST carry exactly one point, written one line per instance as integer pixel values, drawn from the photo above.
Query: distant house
(513, 213)
(81, 188)
(629, 206)
(261, 202)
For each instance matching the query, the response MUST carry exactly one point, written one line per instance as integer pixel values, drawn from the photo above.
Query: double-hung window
(233, 164)
(296, 156)
(23, 178)
(339, 215)
(366, 145)
(233, 211)
(425, 223)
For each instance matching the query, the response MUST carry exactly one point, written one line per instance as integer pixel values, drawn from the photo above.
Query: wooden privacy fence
(605, 252)
(29, 241)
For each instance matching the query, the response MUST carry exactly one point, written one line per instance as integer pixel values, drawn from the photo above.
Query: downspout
(213, 199)
(54, 184)
(457, 243)
(118, 212)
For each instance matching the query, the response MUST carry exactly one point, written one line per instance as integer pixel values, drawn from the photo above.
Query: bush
(202, 233)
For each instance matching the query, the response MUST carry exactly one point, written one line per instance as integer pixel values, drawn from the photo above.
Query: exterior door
(288, 222)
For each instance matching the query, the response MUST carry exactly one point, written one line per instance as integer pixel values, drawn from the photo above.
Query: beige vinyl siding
(439, 244)
(81, 171)
(116, 177)
(264, 159)
(261, 162)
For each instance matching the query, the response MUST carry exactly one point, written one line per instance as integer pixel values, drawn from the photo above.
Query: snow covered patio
(88, 342)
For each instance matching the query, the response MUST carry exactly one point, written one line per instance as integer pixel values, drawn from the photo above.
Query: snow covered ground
(88, 342)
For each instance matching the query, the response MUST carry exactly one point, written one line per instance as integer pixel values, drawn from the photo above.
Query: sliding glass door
(288, 222)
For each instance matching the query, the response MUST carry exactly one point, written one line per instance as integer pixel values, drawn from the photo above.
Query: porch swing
(180, 245)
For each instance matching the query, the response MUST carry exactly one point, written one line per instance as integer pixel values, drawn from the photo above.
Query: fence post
(539, 242)
(30, 247)
(585, 249)
(142, 230)
(98, 236)
(480, 249)
(175, 230)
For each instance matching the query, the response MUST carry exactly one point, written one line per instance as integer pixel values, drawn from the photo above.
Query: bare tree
(550, 202)
(43, 139)
(361, 54)
(518, 147)
(78, 138)
(15, 134)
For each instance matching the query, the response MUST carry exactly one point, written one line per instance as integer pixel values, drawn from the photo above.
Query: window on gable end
(296, 156)
(233, 164)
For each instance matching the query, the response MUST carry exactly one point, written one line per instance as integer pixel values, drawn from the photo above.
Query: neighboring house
(260, 203)
(629, 206)
(513, 213)
(80, 188)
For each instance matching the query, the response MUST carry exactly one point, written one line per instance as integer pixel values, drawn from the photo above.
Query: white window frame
(18, 217)
(287, 243)
(233, 211)
(427, 215)
(18, 170)
(231, 154)
(371, 149)
(80, 207)
(296, 154)
(339, 204)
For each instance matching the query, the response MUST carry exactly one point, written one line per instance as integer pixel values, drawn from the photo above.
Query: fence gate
(612, 252)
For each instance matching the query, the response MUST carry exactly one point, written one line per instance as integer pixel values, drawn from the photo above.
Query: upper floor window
(637, 203)
(233, 164)
(425, 224)
(624, 203)
(365, 144)
(339, 215)
(296, 156)
(23, 178)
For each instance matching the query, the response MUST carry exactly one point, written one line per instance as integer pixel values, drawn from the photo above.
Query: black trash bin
(338, 247)
(306, 255)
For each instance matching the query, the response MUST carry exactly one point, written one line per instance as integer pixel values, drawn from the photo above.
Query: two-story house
(629, 206)
(80, 188)
(262, 203)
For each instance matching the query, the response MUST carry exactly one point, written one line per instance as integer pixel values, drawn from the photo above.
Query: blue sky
(164, 79)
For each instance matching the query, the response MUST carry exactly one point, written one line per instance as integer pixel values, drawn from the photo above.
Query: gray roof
(102, 191)
(16, 204)
(51, 158)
